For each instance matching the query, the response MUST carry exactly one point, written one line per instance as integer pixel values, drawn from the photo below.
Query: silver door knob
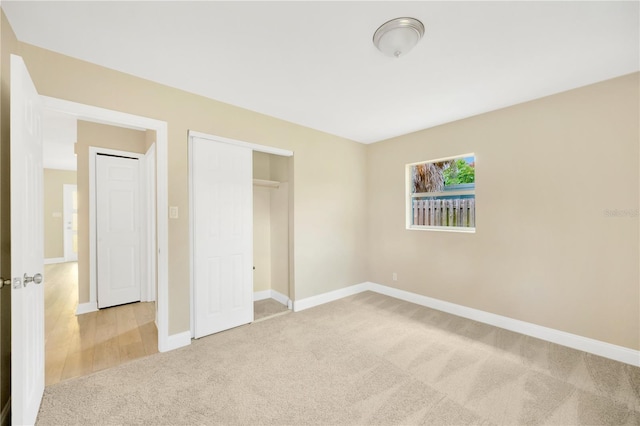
(37, 278)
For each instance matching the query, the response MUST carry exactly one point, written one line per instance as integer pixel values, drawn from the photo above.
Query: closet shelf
(267, 183)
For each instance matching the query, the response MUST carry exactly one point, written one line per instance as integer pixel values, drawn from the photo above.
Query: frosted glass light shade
(398, 36)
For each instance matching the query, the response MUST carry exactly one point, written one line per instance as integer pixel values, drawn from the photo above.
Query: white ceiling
(313, 63)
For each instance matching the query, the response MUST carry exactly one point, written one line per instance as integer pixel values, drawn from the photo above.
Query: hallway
(79, 345)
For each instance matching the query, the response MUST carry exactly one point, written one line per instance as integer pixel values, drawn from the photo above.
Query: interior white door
(222, 233)
(117, 230)
(27, 247)
(70, 219)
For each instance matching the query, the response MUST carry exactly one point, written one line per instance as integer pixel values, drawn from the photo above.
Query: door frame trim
(136, 122)
(149, 293)
(254, 146)
(213, 138)
(65, 235)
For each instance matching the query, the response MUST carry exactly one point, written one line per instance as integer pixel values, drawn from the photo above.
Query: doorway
(221, 199)
(160, 222)
(270, 235)
(80, 340)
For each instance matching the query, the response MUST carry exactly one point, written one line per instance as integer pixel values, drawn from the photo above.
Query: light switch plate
(173, 212)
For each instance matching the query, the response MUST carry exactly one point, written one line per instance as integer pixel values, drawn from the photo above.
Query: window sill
(442, 229)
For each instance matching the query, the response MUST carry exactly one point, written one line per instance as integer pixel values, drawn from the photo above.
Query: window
(441, 194)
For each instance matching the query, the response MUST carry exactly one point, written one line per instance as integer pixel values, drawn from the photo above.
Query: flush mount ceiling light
(398, 36)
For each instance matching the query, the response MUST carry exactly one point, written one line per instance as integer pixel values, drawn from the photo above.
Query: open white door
(27, 248)
(222, 235)
(118, 230)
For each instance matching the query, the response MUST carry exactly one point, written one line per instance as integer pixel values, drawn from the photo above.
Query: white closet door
(222, 250)
(118, 230)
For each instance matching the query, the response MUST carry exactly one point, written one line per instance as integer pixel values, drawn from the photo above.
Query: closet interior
(271, 205)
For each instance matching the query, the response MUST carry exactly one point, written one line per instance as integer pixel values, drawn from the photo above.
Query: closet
(271, 228)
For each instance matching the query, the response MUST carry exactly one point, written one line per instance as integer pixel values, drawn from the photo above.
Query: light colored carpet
(266, 308)
(367, 359)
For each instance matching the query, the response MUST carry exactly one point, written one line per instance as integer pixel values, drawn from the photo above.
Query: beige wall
(279, 228)
(546, 251)
(261, 224)
(102, 136)
(329, 237)
(261, 238)
(8, 44)
(279, 168)
(280, 211)
(149, 139)
(261, 166)
(54, 210)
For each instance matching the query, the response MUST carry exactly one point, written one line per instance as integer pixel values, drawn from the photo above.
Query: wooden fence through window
(452, 212)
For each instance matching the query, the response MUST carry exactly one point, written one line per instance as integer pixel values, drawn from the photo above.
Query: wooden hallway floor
(79, 345)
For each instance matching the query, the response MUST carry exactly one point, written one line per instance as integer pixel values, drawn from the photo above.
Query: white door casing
(118, 230)
(70, 222)
(222, 235)
(27, 247)
(149, 291)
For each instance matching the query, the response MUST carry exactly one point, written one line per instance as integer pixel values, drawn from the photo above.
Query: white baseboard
(261, 295)
(271, 294)
(6, 410)
(596, 347)
(85, 308)
(310, 302)
(585, 344)
(53, 260)
(279, 297)
(176, 341)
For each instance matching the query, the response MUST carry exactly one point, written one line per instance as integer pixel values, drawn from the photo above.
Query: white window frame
(410, 196)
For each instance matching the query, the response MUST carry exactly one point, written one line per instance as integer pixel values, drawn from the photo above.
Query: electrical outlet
(395, 276)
